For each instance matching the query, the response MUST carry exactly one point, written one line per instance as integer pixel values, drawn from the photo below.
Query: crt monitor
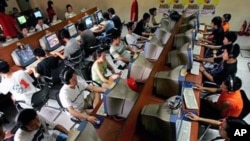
(21, 20)
(98, 16)
(23, 55)
(72, 30)
(169, 83)
(51, 42)
(183, 38)
(38, 14)
(181, 56)
(119, 100)
(87, 21)
(161, 121)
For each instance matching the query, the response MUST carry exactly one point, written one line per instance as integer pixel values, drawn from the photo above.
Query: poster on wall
(204, 7)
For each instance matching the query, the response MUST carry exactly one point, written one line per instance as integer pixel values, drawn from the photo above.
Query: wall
(11, 4)
(238, 9)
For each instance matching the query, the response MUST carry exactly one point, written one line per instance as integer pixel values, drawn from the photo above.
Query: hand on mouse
(192, 116)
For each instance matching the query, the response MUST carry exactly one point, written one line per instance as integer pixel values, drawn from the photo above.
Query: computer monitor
(163, 35)
(50, 42)
(161, 122)
(21, 20)
(98, 16)
(183, 38)
(72, 30)
(169, 83)
(23, 56)
(191, 17)
(87, 21)
(139, 68)
(119, 100)
(181, 56)
(38, 14)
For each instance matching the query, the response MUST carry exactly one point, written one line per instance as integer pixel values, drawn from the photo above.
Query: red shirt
(8, 25)
(50, 12)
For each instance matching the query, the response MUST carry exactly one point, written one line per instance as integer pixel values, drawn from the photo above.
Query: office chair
(38, 99)
(245, 111)
(75, 61)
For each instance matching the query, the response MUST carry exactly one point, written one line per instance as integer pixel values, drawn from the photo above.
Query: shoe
(243, 28)
(247, 33)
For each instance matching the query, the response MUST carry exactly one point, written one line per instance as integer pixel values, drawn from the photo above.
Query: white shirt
(69, 15)
(22, 135)
(119, 50)
(132, 38)
(73, 97)
(20, 85)
(40, 28)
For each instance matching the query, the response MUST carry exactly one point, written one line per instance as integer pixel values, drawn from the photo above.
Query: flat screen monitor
(98, 16)
(38, 14)
(119, 100)
(169, 83)
(23, 56)
(161, 122)
(87, 21)
(51, 42)
(181, 56)
(72, 30)
(21, 20)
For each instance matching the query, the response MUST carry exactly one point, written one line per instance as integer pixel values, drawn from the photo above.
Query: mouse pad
(100, 119)
(190, 111)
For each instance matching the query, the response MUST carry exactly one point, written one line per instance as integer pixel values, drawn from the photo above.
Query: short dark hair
(236, 82)
(217, 21)
(130, 25)
(232, 124)
(4, 66)
(39, 18)
(227, 17)
(66, 74)
(115, 33)
(25, 116)
(64, 34)
(233, 51)
(152, 10)
(111, 10)
(80, 27)
(145, 16)
(105, 15)
(231, 36)
(68, 5)
(50, 3)
(39, 52)
(99, 51)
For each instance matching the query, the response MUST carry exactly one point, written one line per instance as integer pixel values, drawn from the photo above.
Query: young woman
(69, 13)
(100, 67)
(50, 10)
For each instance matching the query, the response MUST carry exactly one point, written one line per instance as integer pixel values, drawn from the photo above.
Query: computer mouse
(185, 117)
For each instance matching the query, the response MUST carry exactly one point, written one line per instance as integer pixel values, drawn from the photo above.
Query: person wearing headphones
(72, 95)
(100, 67)
(34, 127)
(229, 103)
(229, 65)
(227, 126)
(141, 26)
(18, 83)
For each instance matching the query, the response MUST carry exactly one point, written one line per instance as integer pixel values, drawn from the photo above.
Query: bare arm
(58, 54)
(206, 74)
(205, 120)
(209, 89)
(96, 88)
(61, 129)
(79, 115)
(211, 46)
(210, 59)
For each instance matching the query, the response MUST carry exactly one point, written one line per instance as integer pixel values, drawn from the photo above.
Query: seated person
(118, 49)
(40, 25)
(153, 13)
(71, 47)
(5, 135)
(88, 38)
(24, 33)
(133, 38)
(227, 126)
(55, 20)
(18, 83)
(106, 25)
(217, 35)
(229, 65)
(72, 95)
(229, 102)
(47, 64)
(34, 127)
(116, 19)
(100, 67)
(225, 22)
(141, 26)
(69, 13)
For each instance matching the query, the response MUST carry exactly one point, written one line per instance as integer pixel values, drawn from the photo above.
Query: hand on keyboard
(192, 116)
(198, 87)
(197, 58)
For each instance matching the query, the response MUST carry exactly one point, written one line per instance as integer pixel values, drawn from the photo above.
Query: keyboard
(124, 74)
(58, 49)
(202, 27)
(197, 50)
(34, 64)
(189, 98)
(185, 131)
(195, 68)
(78, 38)
(100, 111)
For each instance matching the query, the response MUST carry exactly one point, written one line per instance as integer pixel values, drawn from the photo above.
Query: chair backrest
(40, 98)
(246, 105)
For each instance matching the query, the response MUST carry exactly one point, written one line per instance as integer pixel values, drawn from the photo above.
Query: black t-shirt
(117, 21)
(46, 65)
(140, 27)
(228, 69)
(218, 36)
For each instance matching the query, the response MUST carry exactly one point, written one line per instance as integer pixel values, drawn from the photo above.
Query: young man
(229, 103)
(140, 28)
(133, 38)
(34, 127)
(116, 19)
(72, 95)
(40, 25)
(18, 83)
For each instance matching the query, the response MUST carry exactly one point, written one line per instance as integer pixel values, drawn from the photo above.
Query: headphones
(230, 83)
(231, 54)
(64, 75)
